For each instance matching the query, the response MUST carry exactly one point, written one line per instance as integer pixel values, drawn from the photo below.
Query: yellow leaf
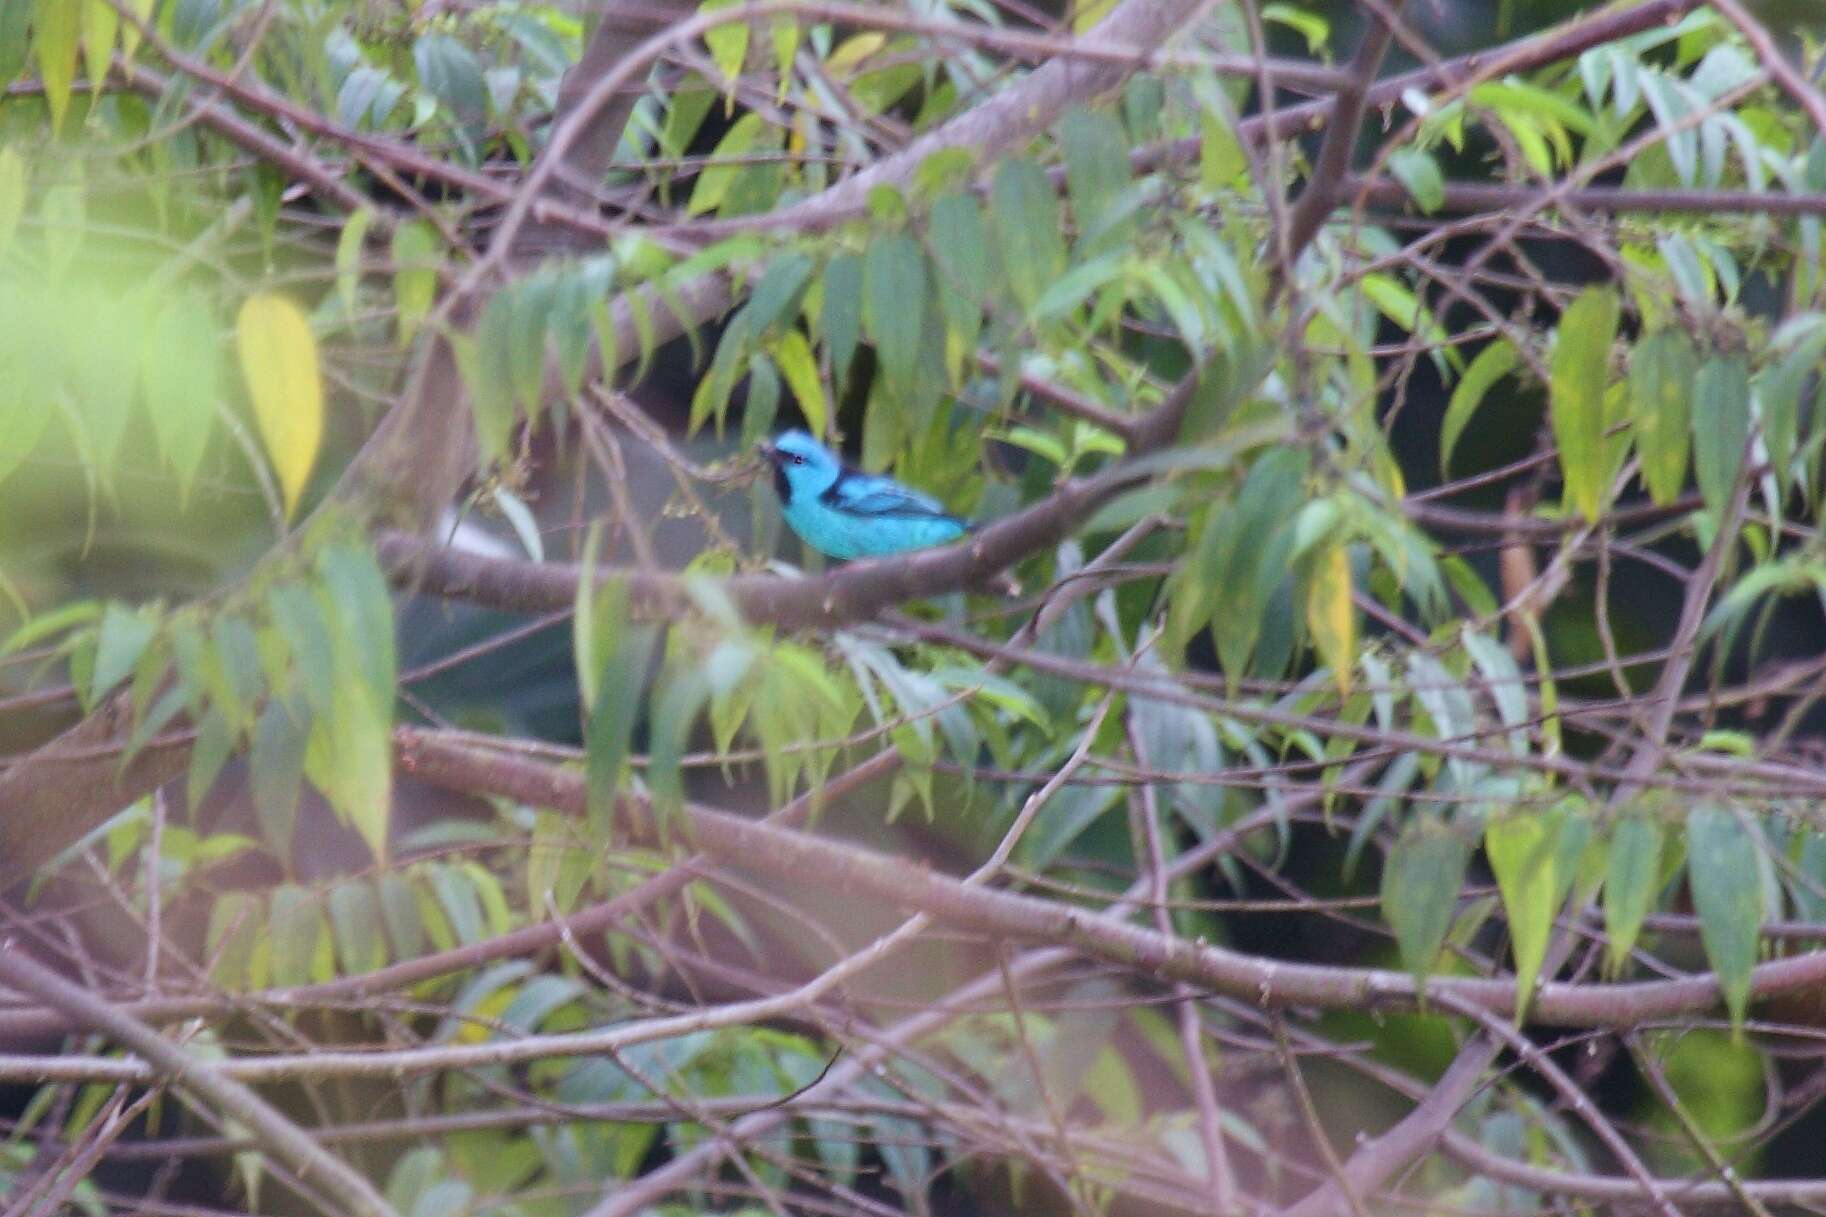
(100, 23)
(129, 30)
(58, 23)
(1331, 616)
(279, 359)
(845, 59)
(794, 357)
(12, 194)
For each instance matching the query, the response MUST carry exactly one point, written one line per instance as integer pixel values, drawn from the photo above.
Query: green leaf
(620, 654)
(415, 263)
(681, 697)
(123, 637)
(451, 73)
(894, 305)
(1581, 372)
(1632, 880)
(180, 372)
(1221, 158)
(13, 178)
(349, 756)
(1721, 426)
(1662, 373)
(349, 245)
(728, 45)
(724, 167)
(1492, 364)
(1420, 885)
(1724, 872)
(293, 922)
(1419, 175)
(1096, 171)
(1025, 212)
(1246, 554)
(215, 740)
(57, 27)
(1524, 856)
(961, 259)
(840, 317)
(355, 921)
(776, 298)
(277, 764)
(301, 622)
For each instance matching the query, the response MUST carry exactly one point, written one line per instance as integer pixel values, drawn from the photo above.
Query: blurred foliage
(195, 339)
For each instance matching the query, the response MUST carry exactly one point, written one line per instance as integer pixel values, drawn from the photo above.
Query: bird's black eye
(797, 459)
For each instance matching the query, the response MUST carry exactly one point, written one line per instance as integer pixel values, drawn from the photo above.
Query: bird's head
(803, 467)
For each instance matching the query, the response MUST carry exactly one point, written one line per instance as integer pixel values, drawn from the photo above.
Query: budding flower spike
(844, 513)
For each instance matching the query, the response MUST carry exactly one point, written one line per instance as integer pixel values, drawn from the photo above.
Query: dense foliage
(1367, 758)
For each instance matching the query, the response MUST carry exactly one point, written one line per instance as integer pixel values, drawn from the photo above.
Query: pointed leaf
(1492, 364)
(1632, 880)
(12, 195)
(1726, 878)
(279, 360)
(348, 255)
(414, 253)
(894, 305)
(1420, 884)
(1662, 372)
(277, 764)
(794, 357)
(1581, 372)
(1523, 853)
(1331, 616)
(1721, 426)
(1029, 228)
(180, 371)
(123, 637)
(56, 31)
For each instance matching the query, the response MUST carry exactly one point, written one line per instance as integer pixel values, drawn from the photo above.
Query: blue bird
(844, 513)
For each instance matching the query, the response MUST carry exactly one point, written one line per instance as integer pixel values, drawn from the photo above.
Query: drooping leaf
(57, 28)
(1727, 883)
(279, 360)
(1419, 175)
(276, 763)
(1581, 373)
(122, 638)
(894, 305)
(180, 371)
(414, 252)
(294, 920)
(1492, 364)
(1331, 617)
(1633, 879)
(100, 23)
(1025, 212)
(1524, 856)
(1420, 886)
(1721, 426)
(13, 176)
(349, 245)
(1096, 172)
(356, 925)
(1662, 372)
(840, 319)
(794, 357)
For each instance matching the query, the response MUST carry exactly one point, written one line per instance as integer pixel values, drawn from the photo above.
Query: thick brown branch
(866, 876)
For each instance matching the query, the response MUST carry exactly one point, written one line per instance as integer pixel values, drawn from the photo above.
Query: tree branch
(284, 1139)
